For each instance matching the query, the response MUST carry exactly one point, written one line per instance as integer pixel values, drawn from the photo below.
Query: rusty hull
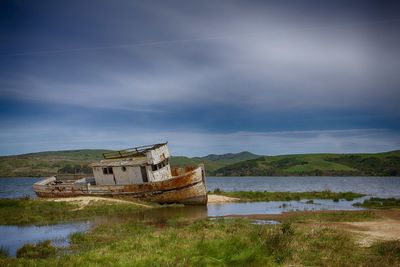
(187, 186)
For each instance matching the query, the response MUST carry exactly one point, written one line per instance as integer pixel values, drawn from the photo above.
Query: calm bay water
(374, 186)
(17, 187)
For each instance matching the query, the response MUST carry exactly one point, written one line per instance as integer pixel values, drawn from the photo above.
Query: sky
(270, 77)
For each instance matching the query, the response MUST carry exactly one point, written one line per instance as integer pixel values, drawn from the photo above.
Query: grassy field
(287, 196)
(239, 164)
(221, 242)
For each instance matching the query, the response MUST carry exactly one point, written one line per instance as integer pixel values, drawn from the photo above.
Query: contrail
(166, 42)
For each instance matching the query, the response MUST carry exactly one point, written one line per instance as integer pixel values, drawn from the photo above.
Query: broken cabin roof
(120, 162)
(139, 151)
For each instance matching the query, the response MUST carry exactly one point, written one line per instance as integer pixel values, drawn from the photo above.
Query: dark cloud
(201, 67)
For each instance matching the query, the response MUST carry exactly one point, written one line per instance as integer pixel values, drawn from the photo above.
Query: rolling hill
(231, 164)
(49, 162)
(214, 162)
(379, 164)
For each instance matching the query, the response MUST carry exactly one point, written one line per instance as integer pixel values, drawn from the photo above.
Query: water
(14, 237)
(277, 207)
(17, 187)
(373, 186)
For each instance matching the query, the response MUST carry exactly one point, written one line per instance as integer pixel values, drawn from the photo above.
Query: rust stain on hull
(186, 186)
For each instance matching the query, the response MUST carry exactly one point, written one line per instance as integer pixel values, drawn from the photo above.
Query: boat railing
(131, 152)
(70, 176)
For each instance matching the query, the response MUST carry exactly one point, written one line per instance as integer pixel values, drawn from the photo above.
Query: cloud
(269, 59)
(186, 71)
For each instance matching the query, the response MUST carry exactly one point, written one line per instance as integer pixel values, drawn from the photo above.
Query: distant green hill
(379, 164)
(231, 164)
(213, 162)
(49, 162)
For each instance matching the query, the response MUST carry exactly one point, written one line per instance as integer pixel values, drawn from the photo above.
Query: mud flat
(212, 199)
(84, 201)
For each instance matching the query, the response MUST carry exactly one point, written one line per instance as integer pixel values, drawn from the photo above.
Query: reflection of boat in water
(140, 172)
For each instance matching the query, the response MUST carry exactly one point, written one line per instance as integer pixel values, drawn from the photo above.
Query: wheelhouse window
(123, 168)
(160, 165)
(108, 170)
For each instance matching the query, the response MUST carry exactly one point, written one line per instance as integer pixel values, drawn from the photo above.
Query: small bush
(77, 238)
(277, 241)
(380, 203)
(217, 191)
(26, 197)
(42, 249)
(4, 253)
(388, 249)
(287, 229)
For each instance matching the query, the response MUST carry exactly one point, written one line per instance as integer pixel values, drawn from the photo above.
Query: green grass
(39, 211)
(380, 203)
(4, 252)
(288, 196)
(221, 242)
(388, 250)
(43, 249)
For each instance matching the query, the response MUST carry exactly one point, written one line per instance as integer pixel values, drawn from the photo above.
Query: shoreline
(255, 176)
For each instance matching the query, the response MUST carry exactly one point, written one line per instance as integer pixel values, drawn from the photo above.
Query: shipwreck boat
(141, 172)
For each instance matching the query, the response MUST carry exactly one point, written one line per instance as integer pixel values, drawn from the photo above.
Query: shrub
(277, 241)
(388, 249)
(217, 191)
(3, 252)
(42, 249)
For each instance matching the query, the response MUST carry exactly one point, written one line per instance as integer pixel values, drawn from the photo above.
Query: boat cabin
(133, 166)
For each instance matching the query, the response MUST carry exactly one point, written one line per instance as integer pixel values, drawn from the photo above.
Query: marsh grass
(288, 196)
(336, 216)
(4, 252)
(40, 250)
(380, 203)
(388, 250)
(38, 211)
(219, 242)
